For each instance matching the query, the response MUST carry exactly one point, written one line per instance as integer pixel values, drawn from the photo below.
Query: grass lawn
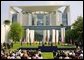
(33, 45)
(47, 55)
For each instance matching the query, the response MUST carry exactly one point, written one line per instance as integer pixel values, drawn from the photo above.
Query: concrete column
(62, 34)
(50, 19)
(60, 17)
(27, 35)
(57, 18)
(53, 35)
(29, 24)
(44, 36)
(48, 34)
(35, 17)
(25, 19)
(44, 18)
(32, 36)
(57, 24)
(30, 19)
(68, 13)
(44, 31)
(18, 17)
(31, 31)
(57, 36)
(21, 18)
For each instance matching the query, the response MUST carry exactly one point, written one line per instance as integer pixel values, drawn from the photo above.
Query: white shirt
(66, 58)
(60, 57)
(18, 57)
(70, 53)
(13, 54)
(39, 52)
(29, 57)
(36, 55)
(12, 57)
(81, 55)
(21, 54)
(8, 57)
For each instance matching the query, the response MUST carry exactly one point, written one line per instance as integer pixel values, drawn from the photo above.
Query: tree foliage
(78, 26)
(16, 32)
(6, 22)
(76, 33)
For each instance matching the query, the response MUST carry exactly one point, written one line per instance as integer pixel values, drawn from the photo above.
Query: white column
(30, 19)
(48, 34)
(25, 19)
(53, 35)
(31, 31)
(27, 35)
(44, 31)
(57, 18)
(29, 23)
(44, 17)
(68, 15)
(18, 17)
(50, 19)
(57, 36)
(35, 17)
(57, 24)
(44, 36)
(60, 18)
(62, 34)
(21, 18)
(32, 36)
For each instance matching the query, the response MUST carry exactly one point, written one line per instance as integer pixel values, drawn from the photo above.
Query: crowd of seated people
(21, 54)
(31, 54)
(69, 54)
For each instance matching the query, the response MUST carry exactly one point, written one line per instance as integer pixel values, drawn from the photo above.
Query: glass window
(64, 19)
(40, 19)
(14, 18)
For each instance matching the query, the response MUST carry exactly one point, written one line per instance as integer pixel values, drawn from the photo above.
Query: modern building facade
(42, 21)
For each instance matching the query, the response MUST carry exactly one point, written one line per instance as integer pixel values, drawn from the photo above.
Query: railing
(47, 48)
(44, 27)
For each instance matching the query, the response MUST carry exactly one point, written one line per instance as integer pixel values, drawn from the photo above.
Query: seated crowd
(37, 54)
(21, 54)
(69, 54)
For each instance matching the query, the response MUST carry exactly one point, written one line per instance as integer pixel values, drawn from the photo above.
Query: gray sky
(76, 7)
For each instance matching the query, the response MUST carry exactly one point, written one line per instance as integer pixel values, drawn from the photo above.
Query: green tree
(7, 22)
(76, 33)
(78, 26)
(16, 32)
(71, 34)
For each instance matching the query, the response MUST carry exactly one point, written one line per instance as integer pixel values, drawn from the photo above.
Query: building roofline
(37, 5)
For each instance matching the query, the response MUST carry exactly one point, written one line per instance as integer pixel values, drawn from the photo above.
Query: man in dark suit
(76, 43)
